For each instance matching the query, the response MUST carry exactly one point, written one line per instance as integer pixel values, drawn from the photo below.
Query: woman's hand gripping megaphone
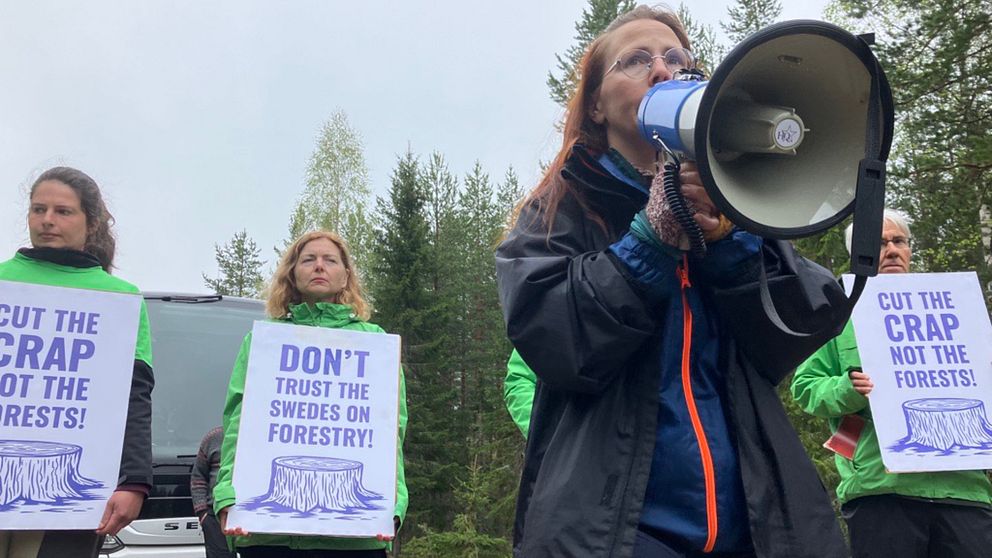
(691, 221)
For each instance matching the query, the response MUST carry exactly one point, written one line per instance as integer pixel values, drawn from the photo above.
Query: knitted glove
(659, 215)
(667, 227)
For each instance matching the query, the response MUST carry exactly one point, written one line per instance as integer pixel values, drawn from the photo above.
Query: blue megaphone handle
(660, 110)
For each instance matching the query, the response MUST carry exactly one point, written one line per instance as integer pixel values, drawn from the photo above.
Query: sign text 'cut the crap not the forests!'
(926, 342)
(921, 327)
(45, 366)
(67, 358)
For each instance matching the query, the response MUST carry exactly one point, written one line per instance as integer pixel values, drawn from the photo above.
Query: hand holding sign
(861, 382)
(122, 508)
(234, 532)
(317, 445)
(925, 337)
(66, 361)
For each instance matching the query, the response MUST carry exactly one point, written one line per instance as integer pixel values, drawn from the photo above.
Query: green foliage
(938, 59)
(433, 281)
(594, 21)
(337, 189)
(703, 40)
(240, 268)
(827, 249)
(747, 16)
(469, 535)
(402, 256)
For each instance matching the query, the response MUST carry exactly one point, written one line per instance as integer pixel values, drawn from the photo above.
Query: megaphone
(790, 133)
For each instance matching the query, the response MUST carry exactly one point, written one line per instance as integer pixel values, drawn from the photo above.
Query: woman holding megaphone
(657, 429)
(72, 246)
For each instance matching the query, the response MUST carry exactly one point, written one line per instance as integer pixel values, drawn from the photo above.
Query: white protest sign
(318, 433)
(66, 359)
(926, 342)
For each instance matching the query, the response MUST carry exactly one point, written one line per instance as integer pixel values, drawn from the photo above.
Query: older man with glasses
(936, 515)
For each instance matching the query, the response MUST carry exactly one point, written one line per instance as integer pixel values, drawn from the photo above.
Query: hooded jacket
(320, 314)
(620, 333)
(80, 270)
(823, 388)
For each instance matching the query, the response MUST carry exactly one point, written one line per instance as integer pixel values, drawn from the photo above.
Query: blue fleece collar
(614, 169)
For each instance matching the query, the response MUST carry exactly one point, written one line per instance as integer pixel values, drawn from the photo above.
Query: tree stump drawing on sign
(943, 424)
(307, 484)
(37, 472)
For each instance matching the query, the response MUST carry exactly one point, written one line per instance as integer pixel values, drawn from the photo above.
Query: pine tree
(240, 268)
(595, 19)
(748, 16)
(403, 265)
(938, 59)
(709, 52)
(402, 261)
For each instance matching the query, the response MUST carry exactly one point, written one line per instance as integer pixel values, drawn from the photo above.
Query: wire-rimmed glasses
(637, 63)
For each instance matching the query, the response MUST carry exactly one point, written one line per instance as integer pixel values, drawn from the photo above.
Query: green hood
(24, 269)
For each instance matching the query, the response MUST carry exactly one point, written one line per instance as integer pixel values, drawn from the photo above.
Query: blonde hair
(282, 292)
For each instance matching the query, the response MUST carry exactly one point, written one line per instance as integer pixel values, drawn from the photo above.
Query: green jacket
(74, 269)
(823, 388)
(518, 391)
(319, 315)
(24, 269)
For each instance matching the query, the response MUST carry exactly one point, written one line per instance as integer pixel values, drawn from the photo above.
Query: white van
(195, 340)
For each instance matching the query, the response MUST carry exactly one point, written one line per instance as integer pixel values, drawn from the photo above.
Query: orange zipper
(709, 477)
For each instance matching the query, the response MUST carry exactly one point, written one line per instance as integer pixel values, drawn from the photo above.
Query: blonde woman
(315, 285)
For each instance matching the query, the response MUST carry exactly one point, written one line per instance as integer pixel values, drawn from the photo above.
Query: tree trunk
(944, 423)
(41, 472)
(985, 225)
(306, 484)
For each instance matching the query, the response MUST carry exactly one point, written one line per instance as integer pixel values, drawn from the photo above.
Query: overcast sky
(197, 118)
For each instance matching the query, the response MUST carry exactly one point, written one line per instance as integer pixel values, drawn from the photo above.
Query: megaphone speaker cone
(780, 130)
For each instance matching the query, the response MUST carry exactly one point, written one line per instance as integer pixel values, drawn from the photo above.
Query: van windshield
(194, 345)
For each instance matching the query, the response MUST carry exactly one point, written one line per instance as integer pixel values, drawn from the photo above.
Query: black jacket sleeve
(807, 297)
(136, 457)
(572, 311)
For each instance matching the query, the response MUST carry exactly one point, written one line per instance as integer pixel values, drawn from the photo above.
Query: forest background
(425, 249)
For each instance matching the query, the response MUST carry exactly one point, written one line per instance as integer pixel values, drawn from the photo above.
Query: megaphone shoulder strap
(868, 204)
(768, 305)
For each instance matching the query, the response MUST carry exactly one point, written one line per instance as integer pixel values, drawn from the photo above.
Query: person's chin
(50, 243)
(892, 269)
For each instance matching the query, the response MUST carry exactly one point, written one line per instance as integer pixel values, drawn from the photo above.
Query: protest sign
(926, 342)
(318, 432)
(66, 359)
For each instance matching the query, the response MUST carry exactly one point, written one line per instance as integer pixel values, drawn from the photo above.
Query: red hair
(578, 127)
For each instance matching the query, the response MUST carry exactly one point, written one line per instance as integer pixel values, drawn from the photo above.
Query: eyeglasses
(897, 241)
(636, 63)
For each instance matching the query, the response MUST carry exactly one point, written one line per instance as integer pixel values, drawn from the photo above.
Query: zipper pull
(683, 272)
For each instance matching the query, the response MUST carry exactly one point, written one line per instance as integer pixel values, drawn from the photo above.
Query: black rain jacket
(588, 332)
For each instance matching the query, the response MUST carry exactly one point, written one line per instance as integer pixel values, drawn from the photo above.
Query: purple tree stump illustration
(41, 472)
(306, 484)
(946, 422)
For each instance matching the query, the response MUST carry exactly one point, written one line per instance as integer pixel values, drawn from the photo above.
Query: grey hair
(894, 216)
